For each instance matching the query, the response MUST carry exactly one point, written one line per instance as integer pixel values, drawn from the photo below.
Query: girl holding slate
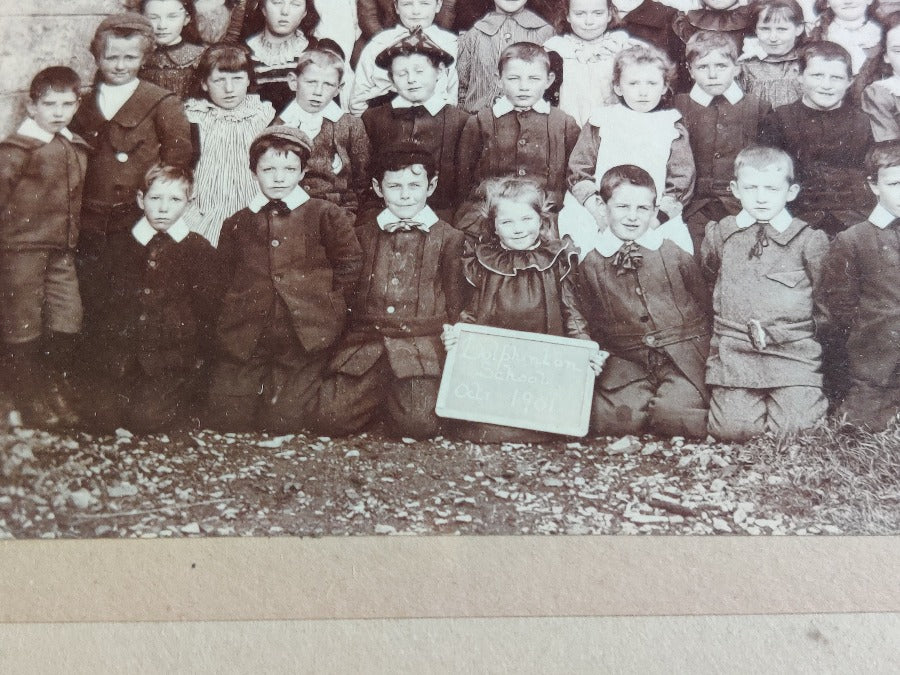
(520, 275)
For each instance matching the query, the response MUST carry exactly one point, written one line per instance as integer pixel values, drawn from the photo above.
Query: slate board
(518, 379)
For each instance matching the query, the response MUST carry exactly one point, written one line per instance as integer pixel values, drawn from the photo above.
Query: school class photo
(611, 248)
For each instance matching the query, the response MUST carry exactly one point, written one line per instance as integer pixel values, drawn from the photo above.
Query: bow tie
(277, 206)
(762, 240)
(409, 113)
(717, 100)
(628, 257)
(157, 241)
(404, 226)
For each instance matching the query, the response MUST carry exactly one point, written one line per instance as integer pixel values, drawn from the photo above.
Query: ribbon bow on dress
(404, 226)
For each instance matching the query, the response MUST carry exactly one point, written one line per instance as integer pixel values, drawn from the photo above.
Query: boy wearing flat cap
(372, 84)
(131, 125)
(411, 284)
(293, 261)
(419, 113)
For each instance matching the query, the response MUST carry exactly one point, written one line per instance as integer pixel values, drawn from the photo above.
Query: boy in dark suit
(411, 285)
(42, 168)
(292, 261)
(860, 291)
(154, 327)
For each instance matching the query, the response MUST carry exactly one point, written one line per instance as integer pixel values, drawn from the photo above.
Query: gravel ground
(203, 483)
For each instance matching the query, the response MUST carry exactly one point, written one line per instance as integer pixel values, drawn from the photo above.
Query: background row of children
(582, 35)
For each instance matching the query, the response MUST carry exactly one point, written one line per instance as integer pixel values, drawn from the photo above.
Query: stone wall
(35, 34)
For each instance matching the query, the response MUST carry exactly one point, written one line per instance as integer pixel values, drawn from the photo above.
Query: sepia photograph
(318, 268)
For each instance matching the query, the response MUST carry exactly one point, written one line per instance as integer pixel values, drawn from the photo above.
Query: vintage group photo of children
(276, 217)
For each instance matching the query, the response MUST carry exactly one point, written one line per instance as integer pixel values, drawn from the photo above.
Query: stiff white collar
(892, 84)
(607, 244)
(31, 129)
(503, 106)
(293, 115)
(433, 105)
(111, 97)
(781, 222)
(426, 216)
(881, 217)
(295, 198)
(733, 94)
(143, 231)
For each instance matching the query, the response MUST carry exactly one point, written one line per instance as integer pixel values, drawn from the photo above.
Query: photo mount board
(518, 379)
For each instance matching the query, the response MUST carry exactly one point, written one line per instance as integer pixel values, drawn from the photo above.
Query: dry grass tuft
(853, 473)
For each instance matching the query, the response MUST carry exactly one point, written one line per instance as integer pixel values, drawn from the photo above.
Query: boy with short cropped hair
(411, 285)
(42, 168)
(338, 166)
(521, 134)
(293, 261)
(372, 85)
(420, 114)
(643, 299)
(155, 326)
(860, 291)
(764, 368)
(828, 137)
(721, 121)
(509, 22)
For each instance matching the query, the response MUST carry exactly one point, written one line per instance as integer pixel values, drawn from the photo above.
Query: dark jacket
(530, 144)
(860, 292)
(411, 338)
(440, 135)
(662, 305)
(718, 132)
(829, 148)
(151, 127)
(309, 258)
(161, 303)
(40, 192)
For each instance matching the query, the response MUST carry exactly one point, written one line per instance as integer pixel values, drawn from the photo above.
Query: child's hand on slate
(597, 360)
(450, 336)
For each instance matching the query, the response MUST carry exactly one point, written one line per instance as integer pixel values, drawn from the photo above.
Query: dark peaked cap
(414, 43)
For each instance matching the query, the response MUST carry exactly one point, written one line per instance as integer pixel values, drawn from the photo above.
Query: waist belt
(760, 334)
(400, 327)
(657, 339)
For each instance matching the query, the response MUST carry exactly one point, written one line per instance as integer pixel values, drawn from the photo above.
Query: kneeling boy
(764, 369)
(643, 299)
(154, 326)
(860, 290)
(292, 260)
(411, 285)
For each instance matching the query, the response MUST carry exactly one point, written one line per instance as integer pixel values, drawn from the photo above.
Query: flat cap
(414, 43)
(286, 133)
(131, 21)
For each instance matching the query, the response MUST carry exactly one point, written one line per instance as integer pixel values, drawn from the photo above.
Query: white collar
(881, 217)
(31, 129)
(426, 216)
(123, 91)
(733, 94)
(295, 198)
(781, 222)
(503, 106)
(607, 244)
(293, 114)
(143, 231)
(433, 105)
